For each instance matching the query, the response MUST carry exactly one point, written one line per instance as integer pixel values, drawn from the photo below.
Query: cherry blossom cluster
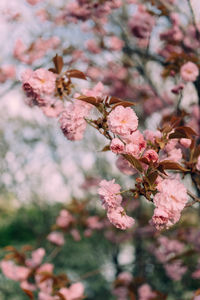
(146, 155)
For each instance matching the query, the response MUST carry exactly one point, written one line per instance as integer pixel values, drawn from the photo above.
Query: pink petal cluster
(41, 80)
(33, 2)
(145, 292)
(93, 222)
(38, 86)
(117, 146)
(111, 200)
(14, 272)
(175, 270)
(198, 163)
(189, 71)
(151, 155)
(141, 24)
(122, 121)
(56, 238)
(115, 43)
(109, 194)
(64, 219)
(36, 259)
(118, 217)
(74, 292)
(169, 201)
(72, 120)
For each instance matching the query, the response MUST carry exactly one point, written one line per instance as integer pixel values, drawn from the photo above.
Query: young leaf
(58, 63)
(29, 294)
(134, 162)
(91, 100)
(76, 74)
(171, 165)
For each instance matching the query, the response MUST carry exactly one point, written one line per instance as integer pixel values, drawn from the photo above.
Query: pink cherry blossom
(175, 270)
(198, 163)
(53, 108)
(36, 258)
(42, 81)
(33, 2)
(125, 277)
(72, 120)
(151, 155)
(118, 217)
(14, 272)
(56, 238)
(189, 71)
(185, 142)
(109, 193)
(115, 43)
(74, 292)
(122, 121)
(145, 292)
(117, 146)
(64, 219)
(169, 201)
(93, 222)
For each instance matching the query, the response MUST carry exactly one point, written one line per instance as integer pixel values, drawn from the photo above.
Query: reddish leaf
(106, 148)
(124, 104)
(76, 74)
(10, 248)
(171, 165)
(152, 177)
(182, 132)
(29, 294)
(134, 162)
(58, 62)
(91, 100)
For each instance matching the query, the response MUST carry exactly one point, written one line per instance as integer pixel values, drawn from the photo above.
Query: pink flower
(96, 91)
(14, 272)
(45, 296)
(118, 217)
(117, 146)
(53, 108)
(145, 292)
(196, 274)
(174, 155)
(25, 285)
(198, 163)
(175, 270)
(92, 46)
(122, 121)
(132, 149)
(189, 71)
(169, 201)
(125, 277)
(33, 2)
(185, 142)
(37, 257)
(115, 43)
(152, 135)
(72, 121)
(93, 222)
(74, 292)
(75, 234)
(109, 193)
(151, 155)
(42, 81)
(56, 238)
(64, 219)
(141, 24)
